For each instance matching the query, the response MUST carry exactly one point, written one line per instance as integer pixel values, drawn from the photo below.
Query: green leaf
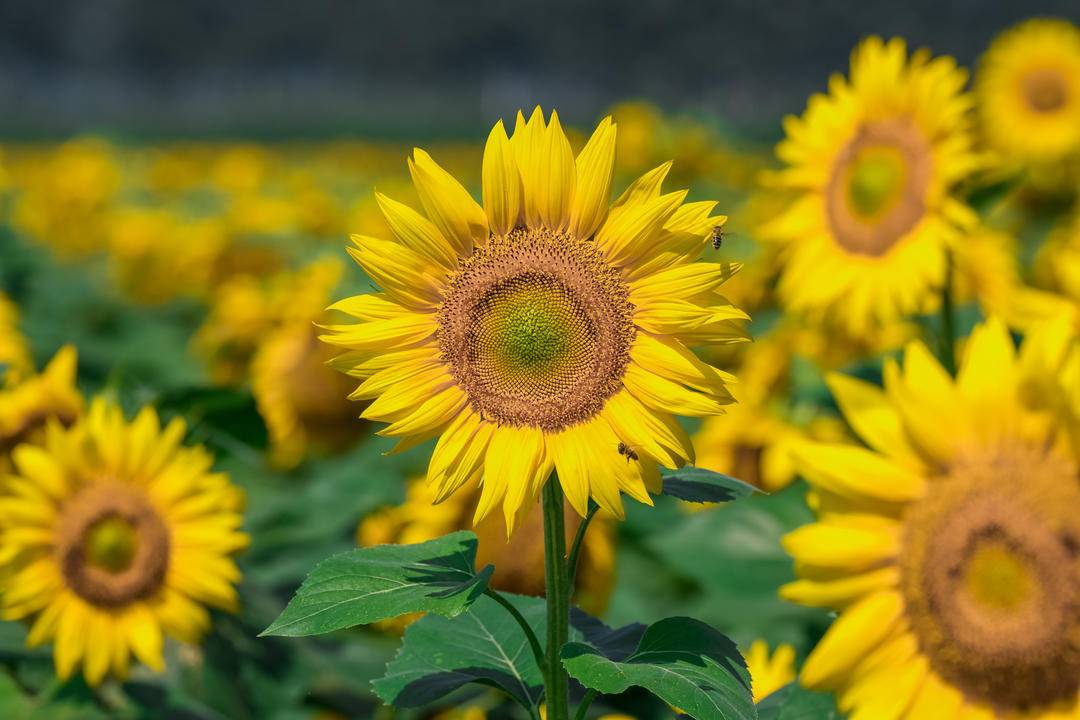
(794, 702)
(682, 661)
(369, 584)
(700, 485)
(483, 645)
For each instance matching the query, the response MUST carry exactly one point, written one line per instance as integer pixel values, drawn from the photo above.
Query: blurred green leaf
(682, 661)
(699, 485)
(794, 702)
(369, 584)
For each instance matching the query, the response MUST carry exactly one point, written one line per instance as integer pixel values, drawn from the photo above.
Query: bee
(717, 236)
(628, 451)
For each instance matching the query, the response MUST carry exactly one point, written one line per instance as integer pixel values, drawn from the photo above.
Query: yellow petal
(645, 187)
(595, 168)
(936, 700)
(144, 636)
(528, 145)
(668, 396)
(987, 379)
(501, 182)
(447, 204)
(868, 411)
(858, 630)
(416, 232)
(856, 474)
(556, 177)
(383, 335)
(845, 542)
(630, 231)
(839, 592)
(657, 434)
(888, 693)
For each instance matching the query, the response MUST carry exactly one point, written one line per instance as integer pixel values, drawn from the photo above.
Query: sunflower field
(625, 417)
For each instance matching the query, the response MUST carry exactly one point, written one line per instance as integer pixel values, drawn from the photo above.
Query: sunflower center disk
(112, 545)
(990, 575)
(537, 328)
(1044, 91)
(876, 191)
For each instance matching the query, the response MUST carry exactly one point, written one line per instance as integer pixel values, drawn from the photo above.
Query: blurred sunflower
(1028, 89)
(542, 330)
(519, 562)
(14, 351)
(769, 672)
(27, 403)
(950, 547)
(303, 400)
(113, 534)
(870, 166)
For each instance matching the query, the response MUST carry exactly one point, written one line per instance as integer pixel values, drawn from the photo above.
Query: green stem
(534, 643)
(948, 320)
(558, 604)
(575, 549)
(586, 701)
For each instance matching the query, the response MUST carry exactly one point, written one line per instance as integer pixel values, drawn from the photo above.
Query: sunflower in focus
(113, 535)
(519, 562)
(769, 671)
(1028, 89)
(545, 330)
(870, 166)
(27, 403)
(950, 546)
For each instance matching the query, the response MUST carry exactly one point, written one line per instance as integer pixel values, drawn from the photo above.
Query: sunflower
(302, 400)
(869, 167)
(1028, 89)
(26, 404)
(112, 535)
(519, 563)
(950, 547)
(543, 331)
(769, 672)
(14, 351)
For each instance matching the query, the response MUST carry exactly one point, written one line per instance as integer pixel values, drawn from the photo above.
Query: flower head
(540, 331)
(112, 535)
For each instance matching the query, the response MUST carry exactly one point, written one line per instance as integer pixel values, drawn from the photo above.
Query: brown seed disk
(1044, 90)
(876, 236)
(1019, 649)
(536, 328)
(99, 586)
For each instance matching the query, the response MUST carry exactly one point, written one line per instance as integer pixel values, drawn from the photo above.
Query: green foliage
(682, 661)
(699, 485)
(369, 584)
(482, 645)
(794, 702)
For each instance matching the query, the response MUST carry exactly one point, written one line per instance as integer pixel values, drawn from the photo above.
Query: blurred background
(271, 68)
(177, 185)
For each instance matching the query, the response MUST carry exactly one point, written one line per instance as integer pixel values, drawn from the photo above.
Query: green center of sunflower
(110, 544)
(876, 192)
(1044, 90)
(991, 578)
(876, 179)
(536, 328)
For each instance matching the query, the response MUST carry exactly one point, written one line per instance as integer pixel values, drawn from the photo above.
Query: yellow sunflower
(1028, 89)
(112, 535)
(519, 562)
(950, 547)
(303, 400)
(870, 167)
(14, 351)
(543, 331)
(26, 404)
(769, 672)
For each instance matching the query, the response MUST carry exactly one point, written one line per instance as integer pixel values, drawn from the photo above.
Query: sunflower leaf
(699, 485)
(794, 702)
(682, 661)
(482, 645)
(376, 583)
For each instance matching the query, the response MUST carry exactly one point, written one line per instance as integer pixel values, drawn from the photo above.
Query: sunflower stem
(558, 601)
(586, 701)
(534, 643)
(575, 550)
(948, 320)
